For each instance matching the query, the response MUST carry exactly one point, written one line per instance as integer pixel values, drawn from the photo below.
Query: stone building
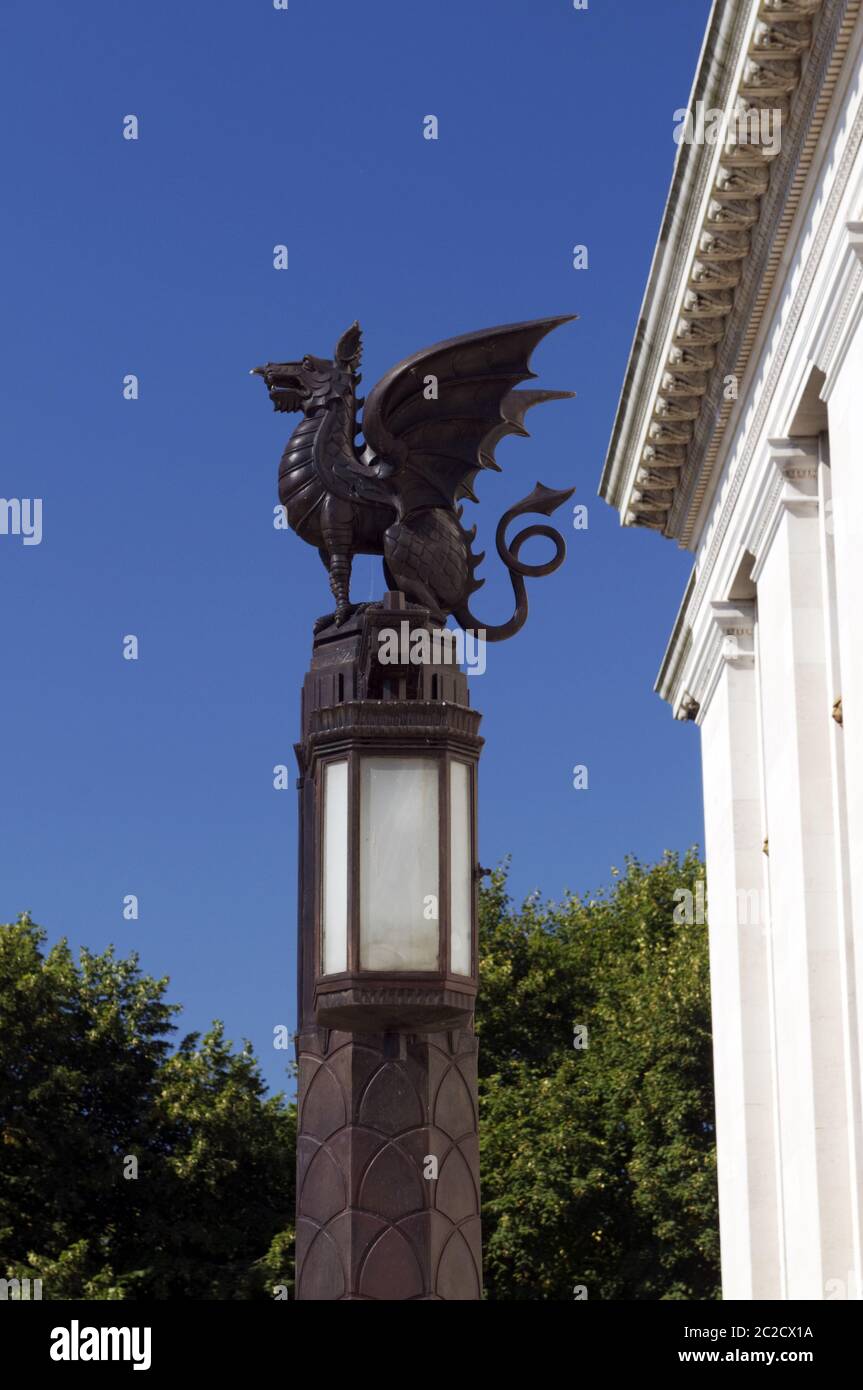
(739, 435)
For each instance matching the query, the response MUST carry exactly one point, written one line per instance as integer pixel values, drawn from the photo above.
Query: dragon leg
(337, 531)
(340, 583)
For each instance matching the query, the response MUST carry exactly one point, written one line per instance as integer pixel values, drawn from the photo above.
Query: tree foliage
(598, 1162)
(128, 1170)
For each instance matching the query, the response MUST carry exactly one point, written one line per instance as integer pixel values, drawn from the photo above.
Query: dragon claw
(341, 615)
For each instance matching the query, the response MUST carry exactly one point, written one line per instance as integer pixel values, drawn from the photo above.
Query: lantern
(389, 761)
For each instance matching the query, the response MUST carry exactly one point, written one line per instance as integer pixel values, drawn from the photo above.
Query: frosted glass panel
(461, 867)
(399, 890)
(334, 906)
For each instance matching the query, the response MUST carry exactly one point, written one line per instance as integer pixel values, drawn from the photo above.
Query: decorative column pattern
(374, 1111)
(812, 1073)
(739, 963)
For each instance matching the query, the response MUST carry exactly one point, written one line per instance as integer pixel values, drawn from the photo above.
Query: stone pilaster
(796, 702)
(740, 973)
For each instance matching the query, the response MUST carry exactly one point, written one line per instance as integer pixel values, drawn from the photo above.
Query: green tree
(90, 1094)
(598, 1162)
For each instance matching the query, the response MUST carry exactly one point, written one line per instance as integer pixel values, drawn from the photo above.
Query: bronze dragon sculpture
(429, 426)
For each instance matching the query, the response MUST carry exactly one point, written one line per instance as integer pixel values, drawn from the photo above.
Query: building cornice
(677, 650)
(671, 257)
(703, 579)
(726, 224)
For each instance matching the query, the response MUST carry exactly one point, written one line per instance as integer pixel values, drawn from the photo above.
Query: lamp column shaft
(387, 1149)
(374, 1109)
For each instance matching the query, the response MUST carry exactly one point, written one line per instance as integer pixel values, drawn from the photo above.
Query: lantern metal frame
(404, 1000)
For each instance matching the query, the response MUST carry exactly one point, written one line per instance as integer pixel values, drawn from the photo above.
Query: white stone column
(843, 392)
(812, 1071)
(749, 1207)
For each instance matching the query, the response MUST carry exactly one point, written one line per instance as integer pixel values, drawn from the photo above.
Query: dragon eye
(307, 363)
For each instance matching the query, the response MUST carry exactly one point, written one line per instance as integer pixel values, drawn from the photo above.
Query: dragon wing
(432, 437)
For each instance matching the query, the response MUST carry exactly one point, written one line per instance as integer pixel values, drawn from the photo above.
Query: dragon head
(311, 384)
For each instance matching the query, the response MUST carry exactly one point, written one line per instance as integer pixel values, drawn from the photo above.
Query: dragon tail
(544, 500)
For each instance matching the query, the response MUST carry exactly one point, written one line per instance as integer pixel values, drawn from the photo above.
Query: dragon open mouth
(287, 398)
(287, 390)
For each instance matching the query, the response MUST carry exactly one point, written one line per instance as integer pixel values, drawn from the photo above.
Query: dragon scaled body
(430, 426)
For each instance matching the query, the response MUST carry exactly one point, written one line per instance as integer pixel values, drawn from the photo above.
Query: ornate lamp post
(388, 1159)
(392, 768)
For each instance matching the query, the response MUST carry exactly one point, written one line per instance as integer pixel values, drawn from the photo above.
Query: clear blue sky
(154, 257)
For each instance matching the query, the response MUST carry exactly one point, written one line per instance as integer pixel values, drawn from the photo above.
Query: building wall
(774, 640)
